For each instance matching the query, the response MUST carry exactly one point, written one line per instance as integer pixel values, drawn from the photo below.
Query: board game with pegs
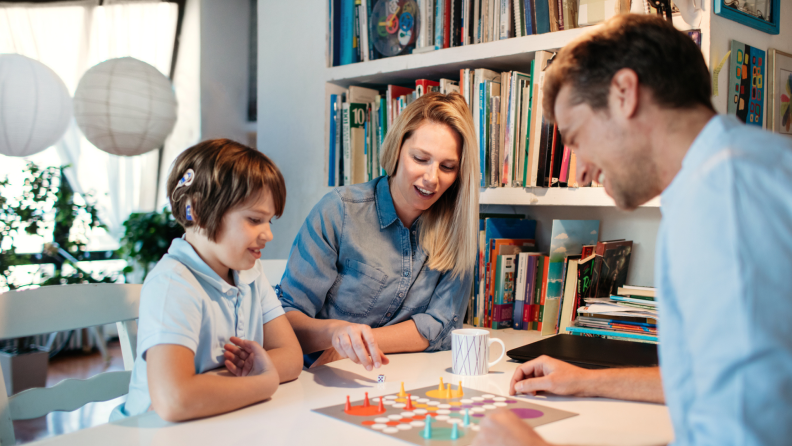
(435, 414)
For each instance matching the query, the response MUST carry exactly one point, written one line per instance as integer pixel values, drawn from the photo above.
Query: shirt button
(230, 292)
(401, 294)
(406, 274)
(388, 315)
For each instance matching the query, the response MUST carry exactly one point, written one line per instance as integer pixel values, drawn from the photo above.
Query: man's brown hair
(667, 61)
(227, 174)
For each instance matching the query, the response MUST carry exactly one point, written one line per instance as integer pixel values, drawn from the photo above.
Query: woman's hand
(246, 358)
(357, 342)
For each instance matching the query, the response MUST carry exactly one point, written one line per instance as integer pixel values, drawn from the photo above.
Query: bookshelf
(554, 196)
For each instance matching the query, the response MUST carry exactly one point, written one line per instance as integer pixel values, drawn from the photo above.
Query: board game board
(452, 415)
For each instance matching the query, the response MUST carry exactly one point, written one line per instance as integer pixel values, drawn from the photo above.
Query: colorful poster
(746, 83)
(783, 100)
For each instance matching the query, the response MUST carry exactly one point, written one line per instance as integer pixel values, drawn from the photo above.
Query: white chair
(61, 308)
(273, 270)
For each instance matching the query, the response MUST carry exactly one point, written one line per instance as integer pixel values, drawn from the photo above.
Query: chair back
(61, 308)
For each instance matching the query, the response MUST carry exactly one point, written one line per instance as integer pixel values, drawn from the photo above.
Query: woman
(387, 266)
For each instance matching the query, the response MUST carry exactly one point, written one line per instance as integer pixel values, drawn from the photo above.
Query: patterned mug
(470, 351)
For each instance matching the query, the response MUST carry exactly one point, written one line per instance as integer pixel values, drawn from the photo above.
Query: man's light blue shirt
(354, 260)
(184, 302)
(724, 255)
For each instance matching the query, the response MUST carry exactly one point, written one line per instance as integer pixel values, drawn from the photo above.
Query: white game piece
(417, 423)
(390, 430)
(477, 398)
(395, 417)
(441, 417)
(444, 406)
(475, 427)
(443, 412)
(500, 404)
(420, 411)
(488, 396)
(404, 427)
(478, 409)
(489, 406)
(391, 397)
(465, 401)
(408, 414)
(380, 378)
(499, 399)
(399, 405)
(381, 420)
(422, 400)
(454, 421)
(378, 427)
(433, 403)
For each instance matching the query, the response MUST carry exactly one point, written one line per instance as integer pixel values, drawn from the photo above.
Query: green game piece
(466, 420)
(455, 432)
(427, 432)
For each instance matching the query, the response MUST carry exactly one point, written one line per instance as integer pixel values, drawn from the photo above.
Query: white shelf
(501, 55)
(555, 196)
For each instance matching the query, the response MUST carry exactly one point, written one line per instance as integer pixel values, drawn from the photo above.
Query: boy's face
(244, 232)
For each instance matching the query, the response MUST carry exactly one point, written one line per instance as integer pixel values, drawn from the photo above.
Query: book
(335, 31)
(392, 96)
(504, 292)
(541, 297)
(530, 17)
(521, 271)
(531, 263)
(354, 143)
(613, 266)
(632, 290)
(567, 308)
(538, 123)
(423, 86)
(480, 77)
(553, 15)
(331, 174)
(448, 86)
(361, 95)
(542, 15)
(347, 31)
(611, 333)
(447, 24)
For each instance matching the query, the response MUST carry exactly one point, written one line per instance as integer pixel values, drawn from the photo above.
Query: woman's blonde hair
(448, 228)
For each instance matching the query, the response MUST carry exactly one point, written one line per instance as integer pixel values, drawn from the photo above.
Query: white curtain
(71, 37)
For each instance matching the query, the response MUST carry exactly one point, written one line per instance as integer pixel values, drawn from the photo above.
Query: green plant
(147, 237)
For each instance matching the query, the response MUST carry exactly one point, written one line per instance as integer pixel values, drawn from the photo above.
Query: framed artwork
(779, 81)
(760, 14)
(746, 83)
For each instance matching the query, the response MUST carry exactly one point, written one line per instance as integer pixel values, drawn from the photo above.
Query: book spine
(542, 16)
(560, 12)
(528, 13)
(519, 291)
(494, 139)
(439, 21)
(481, 135)
(615, 334)
(447, 24)
(347, 146)
(331, 157)
(564, 178)
(347, 31)
(356, 37)
(543, 294)
(519, 20)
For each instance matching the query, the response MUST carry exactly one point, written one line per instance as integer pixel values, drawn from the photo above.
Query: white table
(287, 418)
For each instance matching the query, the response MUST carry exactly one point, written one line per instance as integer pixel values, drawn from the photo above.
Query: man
(632, 100)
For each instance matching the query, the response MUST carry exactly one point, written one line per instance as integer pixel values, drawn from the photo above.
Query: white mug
(470, 351)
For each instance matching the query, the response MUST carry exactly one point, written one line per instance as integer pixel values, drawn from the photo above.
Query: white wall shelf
(554, 196)
(501, 55)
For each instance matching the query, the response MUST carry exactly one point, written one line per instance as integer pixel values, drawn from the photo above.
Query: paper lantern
(125, 106)
(35, 106)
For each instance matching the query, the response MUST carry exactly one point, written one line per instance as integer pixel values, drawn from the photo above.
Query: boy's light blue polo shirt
(184, 302)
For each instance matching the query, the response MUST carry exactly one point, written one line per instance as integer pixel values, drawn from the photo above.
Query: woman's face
(428, 166)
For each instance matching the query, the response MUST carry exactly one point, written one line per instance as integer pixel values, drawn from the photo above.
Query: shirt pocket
(357, 288)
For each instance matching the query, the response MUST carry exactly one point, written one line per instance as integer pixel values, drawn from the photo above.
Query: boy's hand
(246, 358)
(357, 342)
(504, 428)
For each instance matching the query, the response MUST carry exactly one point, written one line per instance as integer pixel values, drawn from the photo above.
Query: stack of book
(517, 146)
(629, 315)
(448, 23)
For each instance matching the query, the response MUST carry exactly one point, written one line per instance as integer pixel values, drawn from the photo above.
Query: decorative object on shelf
(35, 106)
(125, 106)
(746, 83)
(779, 81)
(394, 26)
(760, 14)
(695, 34)
(663, 8)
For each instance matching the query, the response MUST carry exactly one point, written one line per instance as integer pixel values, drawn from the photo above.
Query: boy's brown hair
(227, 174)
(666, 61)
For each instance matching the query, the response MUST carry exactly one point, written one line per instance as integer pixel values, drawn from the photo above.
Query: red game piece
(409, 403)
(366, 401)
(348, 406)
(381, 408)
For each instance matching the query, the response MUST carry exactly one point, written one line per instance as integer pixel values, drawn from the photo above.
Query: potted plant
(147, 237)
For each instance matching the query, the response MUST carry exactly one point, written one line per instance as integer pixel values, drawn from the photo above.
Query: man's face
(610, 149)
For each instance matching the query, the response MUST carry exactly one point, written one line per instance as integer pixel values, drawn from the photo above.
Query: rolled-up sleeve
(446, 310)
(312, 266)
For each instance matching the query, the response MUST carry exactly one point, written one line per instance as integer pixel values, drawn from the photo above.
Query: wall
(291, 45)
(224, 69)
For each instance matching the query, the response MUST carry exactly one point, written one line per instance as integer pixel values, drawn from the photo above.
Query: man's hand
(357, 342)
(549, 375)
(246, 358)
(504, 428)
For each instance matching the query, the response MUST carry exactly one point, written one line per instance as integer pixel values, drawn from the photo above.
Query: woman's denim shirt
(354, 260)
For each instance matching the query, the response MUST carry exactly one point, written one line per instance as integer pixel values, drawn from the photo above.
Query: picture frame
(779, 92)
(723, 9)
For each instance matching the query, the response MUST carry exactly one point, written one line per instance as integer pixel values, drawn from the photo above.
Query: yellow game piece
(402, 392)
(459, 392)
(441, 387)
(448, 391)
